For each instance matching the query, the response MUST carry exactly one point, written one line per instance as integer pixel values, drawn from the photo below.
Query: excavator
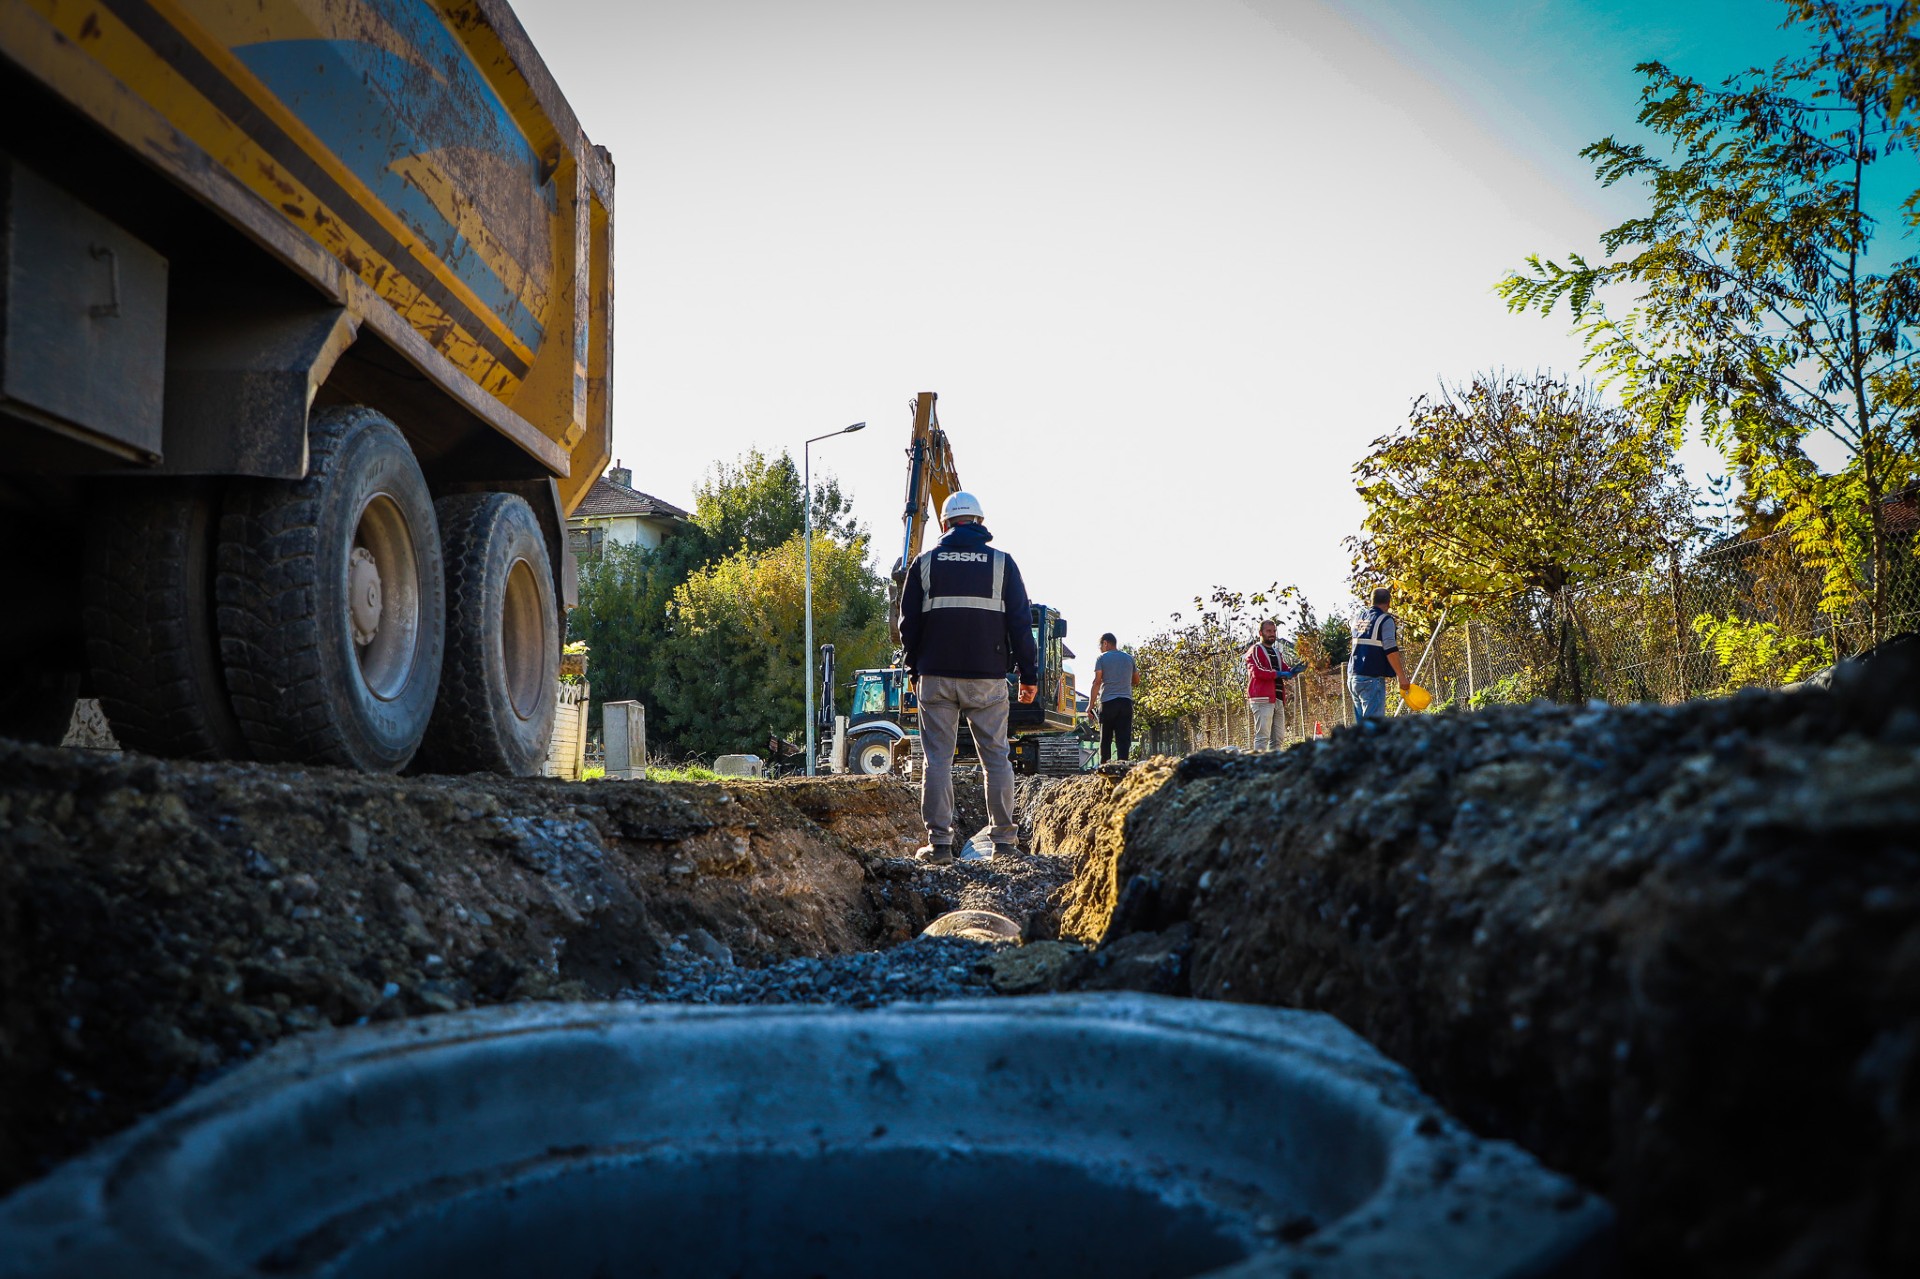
(883, 723)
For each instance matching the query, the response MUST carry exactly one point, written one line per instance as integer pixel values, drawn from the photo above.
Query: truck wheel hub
(363, 596)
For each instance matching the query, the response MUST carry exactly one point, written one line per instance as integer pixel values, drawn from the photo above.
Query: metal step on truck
(304, 359)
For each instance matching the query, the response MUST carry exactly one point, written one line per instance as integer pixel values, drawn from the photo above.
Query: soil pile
(1673, 951)
(1083, 819)
(159, 922)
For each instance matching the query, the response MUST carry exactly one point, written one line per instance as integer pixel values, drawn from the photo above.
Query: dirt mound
(1673, 951)
(159, 922)
(1082, 818)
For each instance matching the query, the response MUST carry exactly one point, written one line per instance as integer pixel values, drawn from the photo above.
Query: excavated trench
(1672, 952)
(171, 933)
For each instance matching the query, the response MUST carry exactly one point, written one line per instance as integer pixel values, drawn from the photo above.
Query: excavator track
(1060, 755)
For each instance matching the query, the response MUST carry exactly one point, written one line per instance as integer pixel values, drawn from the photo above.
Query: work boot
(1005, 850)
(935, 854)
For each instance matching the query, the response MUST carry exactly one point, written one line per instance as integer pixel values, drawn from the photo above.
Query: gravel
(921, 970)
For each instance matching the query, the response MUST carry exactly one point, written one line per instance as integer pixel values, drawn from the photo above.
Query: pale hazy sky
(1170, 264)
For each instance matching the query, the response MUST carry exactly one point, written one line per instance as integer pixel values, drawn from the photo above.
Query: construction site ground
(1674, 952)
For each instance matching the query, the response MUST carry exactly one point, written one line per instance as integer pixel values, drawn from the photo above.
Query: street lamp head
(857, 426)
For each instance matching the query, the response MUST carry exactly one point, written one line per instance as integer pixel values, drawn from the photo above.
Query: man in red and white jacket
(1267, 673)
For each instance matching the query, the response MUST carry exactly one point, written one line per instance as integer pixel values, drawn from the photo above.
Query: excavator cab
(1053, 708)
(881, 694)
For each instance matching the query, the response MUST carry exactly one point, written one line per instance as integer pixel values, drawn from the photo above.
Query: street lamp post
(806, 543)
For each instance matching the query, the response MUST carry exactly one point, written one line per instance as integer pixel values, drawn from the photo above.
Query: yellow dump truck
(303, 362)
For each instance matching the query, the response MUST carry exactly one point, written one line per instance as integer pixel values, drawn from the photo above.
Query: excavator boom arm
(931, 480)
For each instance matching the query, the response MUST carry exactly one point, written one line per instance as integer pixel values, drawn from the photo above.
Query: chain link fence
(1318, 701)
(1743, 614)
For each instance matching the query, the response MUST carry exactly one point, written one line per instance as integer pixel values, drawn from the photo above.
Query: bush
(1756, 653)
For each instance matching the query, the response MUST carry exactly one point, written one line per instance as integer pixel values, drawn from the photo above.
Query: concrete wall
(567, 753)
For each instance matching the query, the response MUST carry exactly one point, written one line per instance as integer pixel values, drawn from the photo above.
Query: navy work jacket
(964, 612)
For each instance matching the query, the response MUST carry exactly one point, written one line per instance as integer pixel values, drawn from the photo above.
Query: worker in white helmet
(964, 624)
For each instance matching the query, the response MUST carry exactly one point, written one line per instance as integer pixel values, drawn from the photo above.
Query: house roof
(606, 498)
(1903, 510)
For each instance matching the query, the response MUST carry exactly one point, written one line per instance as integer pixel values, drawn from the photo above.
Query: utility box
(624, 730)
(740, 766)
(83, 320)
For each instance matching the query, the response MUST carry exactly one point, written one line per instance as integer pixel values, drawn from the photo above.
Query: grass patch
(659, 773)
(681, 773)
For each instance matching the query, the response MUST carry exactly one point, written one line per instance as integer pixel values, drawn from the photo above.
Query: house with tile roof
(614, 512)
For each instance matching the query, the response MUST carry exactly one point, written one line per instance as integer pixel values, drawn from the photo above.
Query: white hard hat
(961, 503)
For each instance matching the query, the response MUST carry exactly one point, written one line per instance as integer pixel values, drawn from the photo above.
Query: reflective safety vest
(965, 613)
(1369, 650)
(994, 601)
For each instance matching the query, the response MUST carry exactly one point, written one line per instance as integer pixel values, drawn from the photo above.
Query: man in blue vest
(1376, 655)
(963, 624)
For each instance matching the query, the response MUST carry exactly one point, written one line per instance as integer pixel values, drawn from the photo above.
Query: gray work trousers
(984, 703)
(1269, 723)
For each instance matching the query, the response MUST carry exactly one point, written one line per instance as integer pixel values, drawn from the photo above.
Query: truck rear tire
(871, 754)
(332, 605)
(149, 615)
(496, 706)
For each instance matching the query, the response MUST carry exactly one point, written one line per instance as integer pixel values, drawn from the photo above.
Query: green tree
(1750, 653)
(1511, 488)
(1321, 643)
(622, 618)
(1758, 307)
(644, 650)
(1892, 51)
(755, 503)
(733, 665)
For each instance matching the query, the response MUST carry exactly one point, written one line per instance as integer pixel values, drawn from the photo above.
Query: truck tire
(871, 754)
(149, 615)
(331, 601)
(496, 704)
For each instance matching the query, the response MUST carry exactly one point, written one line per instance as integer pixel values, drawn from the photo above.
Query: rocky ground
(1672, 951)
(161, 922)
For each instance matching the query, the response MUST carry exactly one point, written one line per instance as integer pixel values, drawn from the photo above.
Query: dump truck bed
(412, 160)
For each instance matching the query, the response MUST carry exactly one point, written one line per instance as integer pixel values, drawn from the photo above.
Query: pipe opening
(778, 1215)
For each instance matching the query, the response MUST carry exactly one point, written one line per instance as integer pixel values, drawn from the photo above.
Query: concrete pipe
(1116, 1135)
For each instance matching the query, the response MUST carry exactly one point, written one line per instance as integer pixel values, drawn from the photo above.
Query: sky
(1171, 265)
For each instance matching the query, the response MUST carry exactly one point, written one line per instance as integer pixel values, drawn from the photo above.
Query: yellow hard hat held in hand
(1416, 698)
